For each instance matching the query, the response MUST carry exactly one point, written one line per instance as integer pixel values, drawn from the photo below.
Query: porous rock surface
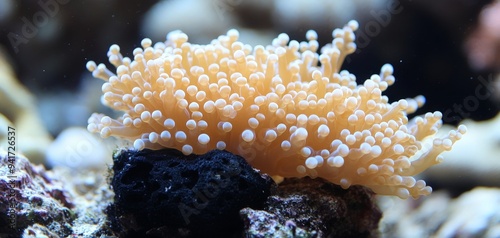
(163, 193)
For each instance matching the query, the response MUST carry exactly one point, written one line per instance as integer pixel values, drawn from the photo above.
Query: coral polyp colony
(287, 109)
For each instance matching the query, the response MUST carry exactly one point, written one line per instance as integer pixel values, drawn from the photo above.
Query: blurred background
(448, 51)
(48, 42)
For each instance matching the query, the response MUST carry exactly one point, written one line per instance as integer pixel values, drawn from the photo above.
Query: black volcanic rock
(164, 193)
